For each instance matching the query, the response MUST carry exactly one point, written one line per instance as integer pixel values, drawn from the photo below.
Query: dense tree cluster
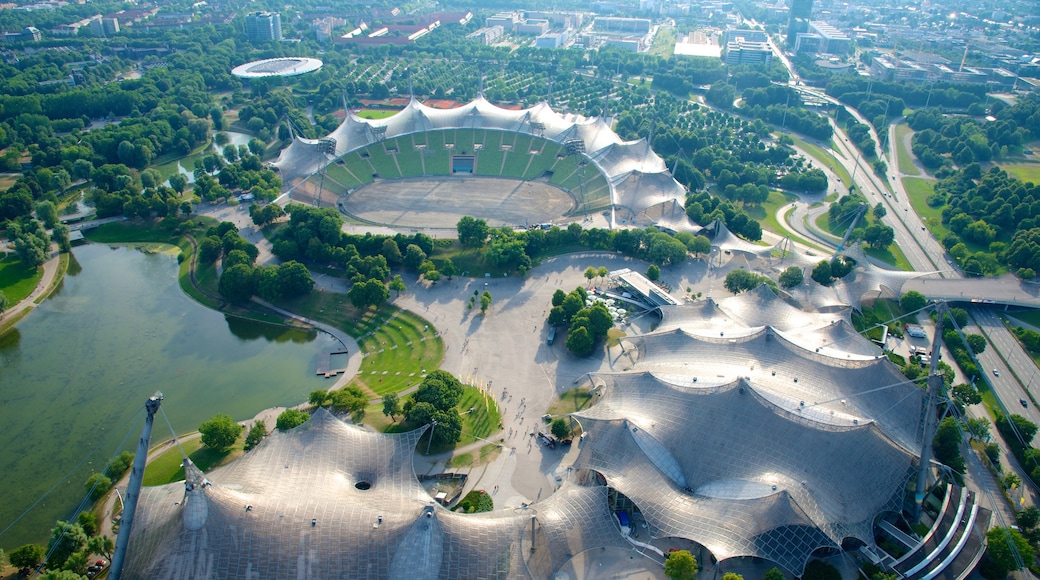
(854, 88)
(704, 209)
(871, 231)
(435, 401)
(740, 280)
(942, 140)
(240, 279)
(587, 323)
(827, 271)
(993, 219)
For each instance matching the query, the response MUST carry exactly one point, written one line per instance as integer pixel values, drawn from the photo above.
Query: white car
(996, 373)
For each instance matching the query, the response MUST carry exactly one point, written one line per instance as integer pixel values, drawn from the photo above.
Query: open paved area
(440, 202)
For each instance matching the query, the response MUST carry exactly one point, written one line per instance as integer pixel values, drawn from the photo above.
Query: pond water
(186, 166)
(74, 376)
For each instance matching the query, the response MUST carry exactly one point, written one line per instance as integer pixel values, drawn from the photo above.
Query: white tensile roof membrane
(637, 176)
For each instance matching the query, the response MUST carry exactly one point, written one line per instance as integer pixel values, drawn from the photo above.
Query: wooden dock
(325, 364)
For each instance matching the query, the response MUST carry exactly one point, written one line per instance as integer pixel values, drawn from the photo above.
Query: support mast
(133, 489)
(935, 381)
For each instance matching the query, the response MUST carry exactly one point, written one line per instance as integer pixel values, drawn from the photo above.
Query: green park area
(1026, 172)
(918, 190)
(906, 160)
(571, 401)
(825, 158)
(892, 255)
(168, 467)
(17, 281)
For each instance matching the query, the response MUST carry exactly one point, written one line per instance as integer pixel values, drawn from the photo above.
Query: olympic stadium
(477, 160)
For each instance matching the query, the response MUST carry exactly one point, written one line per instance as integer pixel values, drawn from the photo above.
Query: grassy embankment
(905, 159)
(892, 255)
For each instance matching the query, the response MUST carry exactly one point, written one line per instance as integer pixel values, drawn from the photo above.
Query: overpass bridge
(1007, 290)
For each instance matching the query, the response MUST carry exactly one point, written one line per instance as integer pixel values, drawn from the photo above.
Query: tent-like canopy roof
(638, 177)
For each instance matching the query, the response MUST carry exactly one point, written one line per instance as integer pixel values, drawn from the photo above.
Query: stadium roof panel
(277, 67)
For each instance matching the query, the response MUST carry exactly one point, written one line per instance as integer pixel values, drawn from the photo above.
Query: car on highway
(996, 373)
(1025, 405)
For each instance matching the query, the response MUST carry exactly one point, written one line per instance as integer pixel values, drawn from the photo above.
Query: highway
(1017, 372)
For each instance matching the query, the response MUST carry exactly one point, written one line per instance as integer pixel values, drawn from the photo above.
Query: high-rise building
(263, 26)
(801, 11)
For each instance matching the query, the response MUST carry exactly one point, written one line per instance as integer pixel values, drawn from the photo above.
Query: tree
(256, 434)
(101, 545)
(880, 211)
(580, 341)
(220, 432)
(947, 444)
(413, 256)
(558, 297)
(66, 539)
(440, 389)
(472, 232)
(319, 398)
(391, 406)
(88, 520)
(978, 427)
(912, 300)
(1000, 555)
(560, 429)
(26, 557)
(822, 273)
(485, 301)
(97, 485)
(966, 394)
(680, 565)
(3, 304)
(367, 293)
(291, 418)
(397, 284)
(791, 277)
(391, 251)
(774, 574)
(238, 283)
(178, 183)
(1028, 518)
(590, 273)
(47, 213)
(449, 269)
(732, 576)
(977, 343)
(653, 273)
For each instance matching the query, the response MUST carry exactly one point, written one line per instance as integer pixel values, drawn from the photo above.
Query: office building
(263, 26)
(801, 12)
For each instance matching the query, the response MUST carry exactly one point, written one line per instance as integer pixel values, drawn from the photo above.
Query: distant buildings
(263, 26)
(742, 51)
(822, 37)
(488, 35)
(801, 12)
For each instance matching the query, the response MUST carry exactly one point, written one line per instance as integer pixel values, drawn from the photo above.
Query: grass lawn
(893, 256)
(824, 157)
(571, 401)
(664, 42)
(1030, 316)
(480, 418)
(8, 179)
(397, 345)
(485, 454)
(918, 190)
(17, 281)
(376, 113)
(1026, 172)
(906, 160)
(167, 467)
(766, 215)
